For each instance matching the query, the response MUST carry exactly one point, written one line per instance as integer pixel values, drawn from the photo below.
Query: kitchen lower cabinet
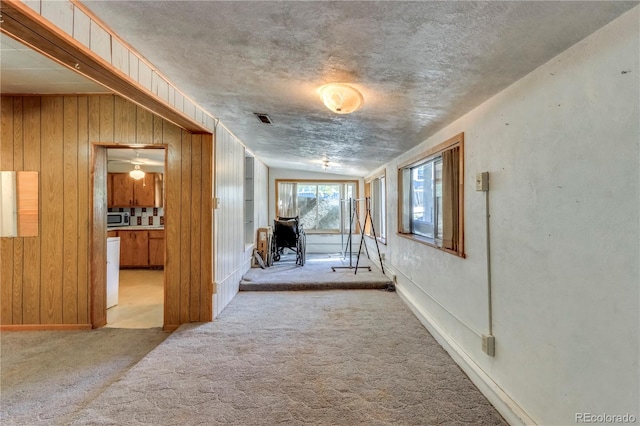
(141, 248)
(156, 248)
(134, 248)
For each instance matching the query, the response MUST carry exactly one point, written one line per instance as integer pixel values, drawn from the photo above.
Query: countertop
(136, 228)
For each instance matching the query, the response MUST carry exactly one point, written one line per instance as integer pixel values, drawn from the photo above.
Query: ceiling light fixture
(325, 164)
(341, 98)
(136, 173)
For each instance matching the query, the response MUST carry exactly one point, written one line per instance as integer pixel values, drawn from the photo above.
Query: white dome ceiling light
(341, 98)
(136, 173)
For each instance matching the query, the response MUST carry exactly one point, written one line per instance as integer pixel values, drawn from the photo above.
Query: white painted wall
(316, 243)
(232, 259)
(561, 147)
(261, 195)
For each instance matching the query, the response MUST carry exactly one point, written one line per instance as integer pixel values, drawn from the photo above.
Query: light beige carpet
(320, 272)
(46, 377)
(297, 358)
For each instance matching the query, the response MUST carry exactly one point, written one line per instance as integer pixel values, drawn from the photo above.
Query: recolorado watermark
(605, 418)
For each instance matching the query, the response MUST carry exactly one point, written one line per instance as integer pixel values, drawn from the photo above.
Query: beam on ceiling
(19, 21)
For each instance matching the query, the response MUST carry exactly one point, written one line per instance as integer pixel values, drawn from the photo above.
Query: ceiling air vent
(264, 118)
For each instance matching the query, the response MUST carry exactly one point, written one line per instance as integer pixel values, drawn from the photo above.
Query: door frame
(98, 229)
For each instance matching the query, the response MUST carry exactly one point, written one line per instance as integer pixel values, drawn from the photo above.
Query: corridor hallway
(323, 357)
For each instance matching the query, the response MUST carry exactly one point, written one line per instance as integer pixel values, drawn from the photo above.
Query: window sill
(431, 243)
(381, 240)
(320, 232)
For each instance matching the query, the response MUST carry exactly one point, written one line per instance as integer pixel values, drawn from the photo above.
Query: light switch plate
(482, 181)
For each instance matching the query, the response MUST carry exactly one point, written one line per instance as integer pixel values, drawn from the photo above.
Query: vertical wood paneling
(95, 298)
(98, 266)
(18, 243)
(158, 128)
(54, 135)
(185, 229)
(32, 147)
(206, 242)
(52, 210)
(172, 137)
(93, 124)
(144, 126)
(70, 218)
(124, 123)
(6, 244)
(106, 117)
(84, 149)
(195, 207)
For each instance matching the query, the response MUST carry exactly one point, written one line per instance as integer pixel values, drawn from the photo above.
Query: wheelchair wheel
(300, 250)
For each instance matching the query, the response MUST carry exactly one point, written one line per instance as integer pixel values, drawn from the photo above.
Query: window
(318, 204)
(431, 197)
(376, 189)
(425, 217)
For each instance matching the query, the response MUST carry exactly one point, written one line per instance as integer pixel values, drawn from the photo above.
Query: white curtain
(287, 199)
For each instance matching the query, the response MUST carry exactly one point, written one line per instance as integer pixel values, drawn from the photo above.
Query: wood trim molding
(449, 143)
(374, 176)
(41, 327)
(25, 25)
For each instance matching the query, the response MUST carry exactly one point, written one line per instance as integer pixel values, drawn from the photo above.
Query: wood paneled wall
(45, 280)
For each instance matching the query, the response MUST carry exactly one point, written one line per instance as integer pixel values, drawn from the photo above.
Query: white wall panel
(60, 13)
(561, 147)
(100, 41)
(33, 4)
(230, 258)
(120, 56)
(81, 27)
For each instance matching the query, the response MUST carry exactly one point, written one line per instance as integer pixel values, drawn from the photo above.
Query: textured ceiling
(419, 65)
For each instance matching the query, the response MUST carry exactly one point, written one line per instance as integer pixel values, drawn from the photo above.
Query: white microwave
(118, 219)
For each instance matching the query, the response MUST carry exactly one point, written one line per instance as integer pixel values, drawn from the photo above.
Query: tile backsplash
(147, 216)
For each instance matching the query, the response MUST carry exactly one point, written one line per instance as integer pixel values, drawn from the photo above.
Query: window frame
(369, 192)
(354, 182)
(405, 210)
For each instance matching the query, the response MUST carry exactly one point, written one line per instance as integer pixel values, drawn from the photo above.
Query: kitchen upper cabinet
(122, 190)
(128, 192)
(134, 248)
(144, 191)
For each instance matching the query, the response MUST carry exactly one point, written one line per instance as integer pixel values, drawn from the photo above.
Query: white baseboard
(502, 402)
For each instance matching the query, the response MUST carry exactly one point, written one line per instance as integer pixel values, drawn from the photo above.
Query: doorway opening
(134, 208)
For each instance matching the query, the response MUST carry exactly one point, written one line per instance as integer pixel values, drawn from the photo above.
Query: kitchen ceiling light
(341, 98)
(136, 173)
